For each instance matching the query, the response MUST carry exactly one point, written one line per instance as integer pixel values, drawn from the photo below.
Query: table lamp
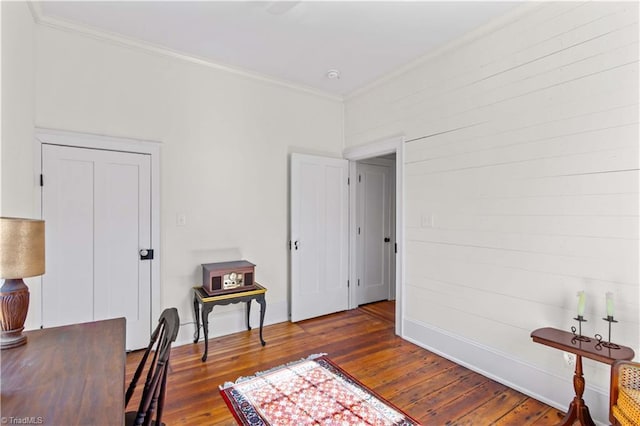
(21, 256)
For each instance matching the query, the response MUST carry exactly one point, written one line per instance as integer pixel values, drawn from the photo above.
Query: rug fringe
(262, 373)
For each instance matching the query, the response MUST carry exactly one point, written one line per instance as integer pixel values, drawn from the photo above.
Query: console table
(591, 349)
(66, 375)
(206, 302)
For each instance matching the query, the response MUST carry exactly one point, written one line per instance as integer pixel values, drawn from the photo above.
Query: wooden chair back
(153, 394)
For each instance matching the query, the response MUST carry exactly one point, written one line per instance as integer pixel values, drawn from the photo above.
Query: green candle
(609, 304)
(581, 302)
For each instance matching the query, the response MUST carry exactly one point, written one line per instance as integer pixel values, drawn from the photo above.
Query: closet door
(97, 208)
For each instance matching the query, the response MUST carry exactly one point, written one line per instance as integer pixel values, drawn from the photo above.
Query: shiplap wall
(521, 187)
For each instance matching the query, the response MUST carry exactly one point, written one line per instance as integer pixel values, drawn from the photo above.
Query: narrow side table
(568, 342)
(206, 304)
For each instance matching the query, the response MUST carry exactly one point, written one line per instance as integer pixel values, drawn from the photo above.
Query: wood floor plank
(501, 404)
(549, 418)
(527, 413)
(362, 341)
(464, 403)
(430, 392)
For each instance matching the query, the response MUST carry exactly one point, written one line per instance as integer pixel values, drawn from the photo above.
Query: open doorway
(375, 234)
(388, 150)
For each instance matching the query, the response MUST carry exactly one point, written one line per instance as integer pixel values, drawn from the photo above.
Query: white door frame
(86, 140)
(393, 144)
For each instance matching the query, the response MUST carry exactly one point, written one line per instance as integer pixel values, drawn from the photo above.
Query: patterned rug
(314, 391)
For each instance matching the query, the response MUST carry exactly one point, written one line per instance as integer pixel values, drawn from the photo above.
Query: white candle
(581, 302)
(609, 304)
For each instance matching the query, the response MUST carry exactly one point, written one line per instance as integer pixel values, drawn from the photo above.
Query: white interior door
(319, 236)
(97, 207)
(374, 234)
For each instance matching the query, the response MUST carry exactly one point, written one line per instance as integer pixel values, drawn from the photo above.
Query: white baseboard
(222, 323)
(526, 378)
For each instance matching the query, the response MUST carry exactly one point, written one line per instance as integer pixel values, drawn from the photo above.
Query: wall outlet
(569, 360)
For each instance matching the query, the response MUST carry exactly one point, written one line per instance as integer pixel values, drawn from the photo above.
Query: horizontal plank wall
(521, 188)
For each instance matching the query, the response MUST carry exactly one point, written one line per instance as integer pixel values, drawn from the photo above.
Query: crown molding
(123, 41)
(35, 9)
(491, 26)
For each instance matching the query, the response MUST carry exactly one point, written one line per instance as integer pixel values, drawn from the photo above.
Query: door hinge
(348, 181)
(289, 245)
(358, 230)
(347, 283)
(358, 282)
(395, 247)
(41, 179)
(359, 178)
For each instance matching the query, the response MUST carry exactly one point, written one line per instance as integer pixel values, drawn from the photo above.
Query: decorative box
(228, 277)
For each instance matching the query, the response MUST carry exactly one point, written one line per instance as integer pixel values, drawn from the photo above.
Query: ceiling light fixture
(333, 75)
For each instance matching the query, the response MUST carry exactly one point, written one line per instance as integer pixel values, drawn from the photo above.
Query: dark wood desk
(566, 341)
(71, 375)
(208, 302)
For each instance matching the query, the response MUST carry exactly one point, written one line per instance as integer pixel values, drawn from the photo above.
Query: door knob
(387, 239)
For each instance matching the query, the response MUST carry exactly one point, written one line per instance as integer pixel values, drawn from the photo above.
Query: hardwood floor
(362, 341)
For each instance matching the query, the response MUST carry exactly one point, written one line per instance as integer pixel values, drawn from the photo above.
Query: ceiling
(297, 41)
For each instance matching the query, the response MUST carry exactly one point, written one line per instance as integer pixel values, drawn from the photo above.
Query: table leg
(206, 309)
(263, 307)
(196, 313)
(577, 409)
(248, 314)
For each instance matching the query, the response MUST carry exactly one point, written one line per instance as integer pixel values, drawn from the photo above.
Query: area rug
(313, 391)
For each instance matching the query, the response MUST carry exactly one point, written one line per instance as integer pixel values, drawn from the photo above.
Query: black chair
(156, 382)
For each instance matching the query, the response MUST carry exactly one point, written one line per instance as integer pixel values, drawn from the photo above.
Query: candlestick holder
(579, 336)
(608, 343)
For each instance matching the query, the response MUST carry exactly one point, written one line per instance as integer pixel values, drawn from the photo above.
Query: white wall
(522, 145)
(17, 179)
(225, 141)
(16, 192)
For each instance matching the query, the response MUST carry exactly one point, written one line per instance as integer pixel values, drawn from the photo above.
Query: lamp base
(14, 304)
(12, 339)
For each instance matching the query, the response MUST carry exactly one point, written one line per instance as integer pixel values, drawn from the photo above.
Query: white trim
(353, 241)
(389, 145)
(85, 140)
(553, 390)
(355, 245)
(120, 40)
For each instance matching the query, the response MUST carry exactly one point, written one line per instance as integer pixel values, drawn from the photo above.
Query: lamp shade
(21, 248)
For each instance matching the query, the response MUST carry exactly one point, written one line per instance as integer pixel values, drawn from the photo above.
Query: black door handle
(146, 254)
(387, 239)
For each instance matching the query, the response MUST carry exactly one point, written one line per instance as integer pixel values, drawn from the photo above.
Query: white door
(374, 237)
(319, 236)
(96, 205)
